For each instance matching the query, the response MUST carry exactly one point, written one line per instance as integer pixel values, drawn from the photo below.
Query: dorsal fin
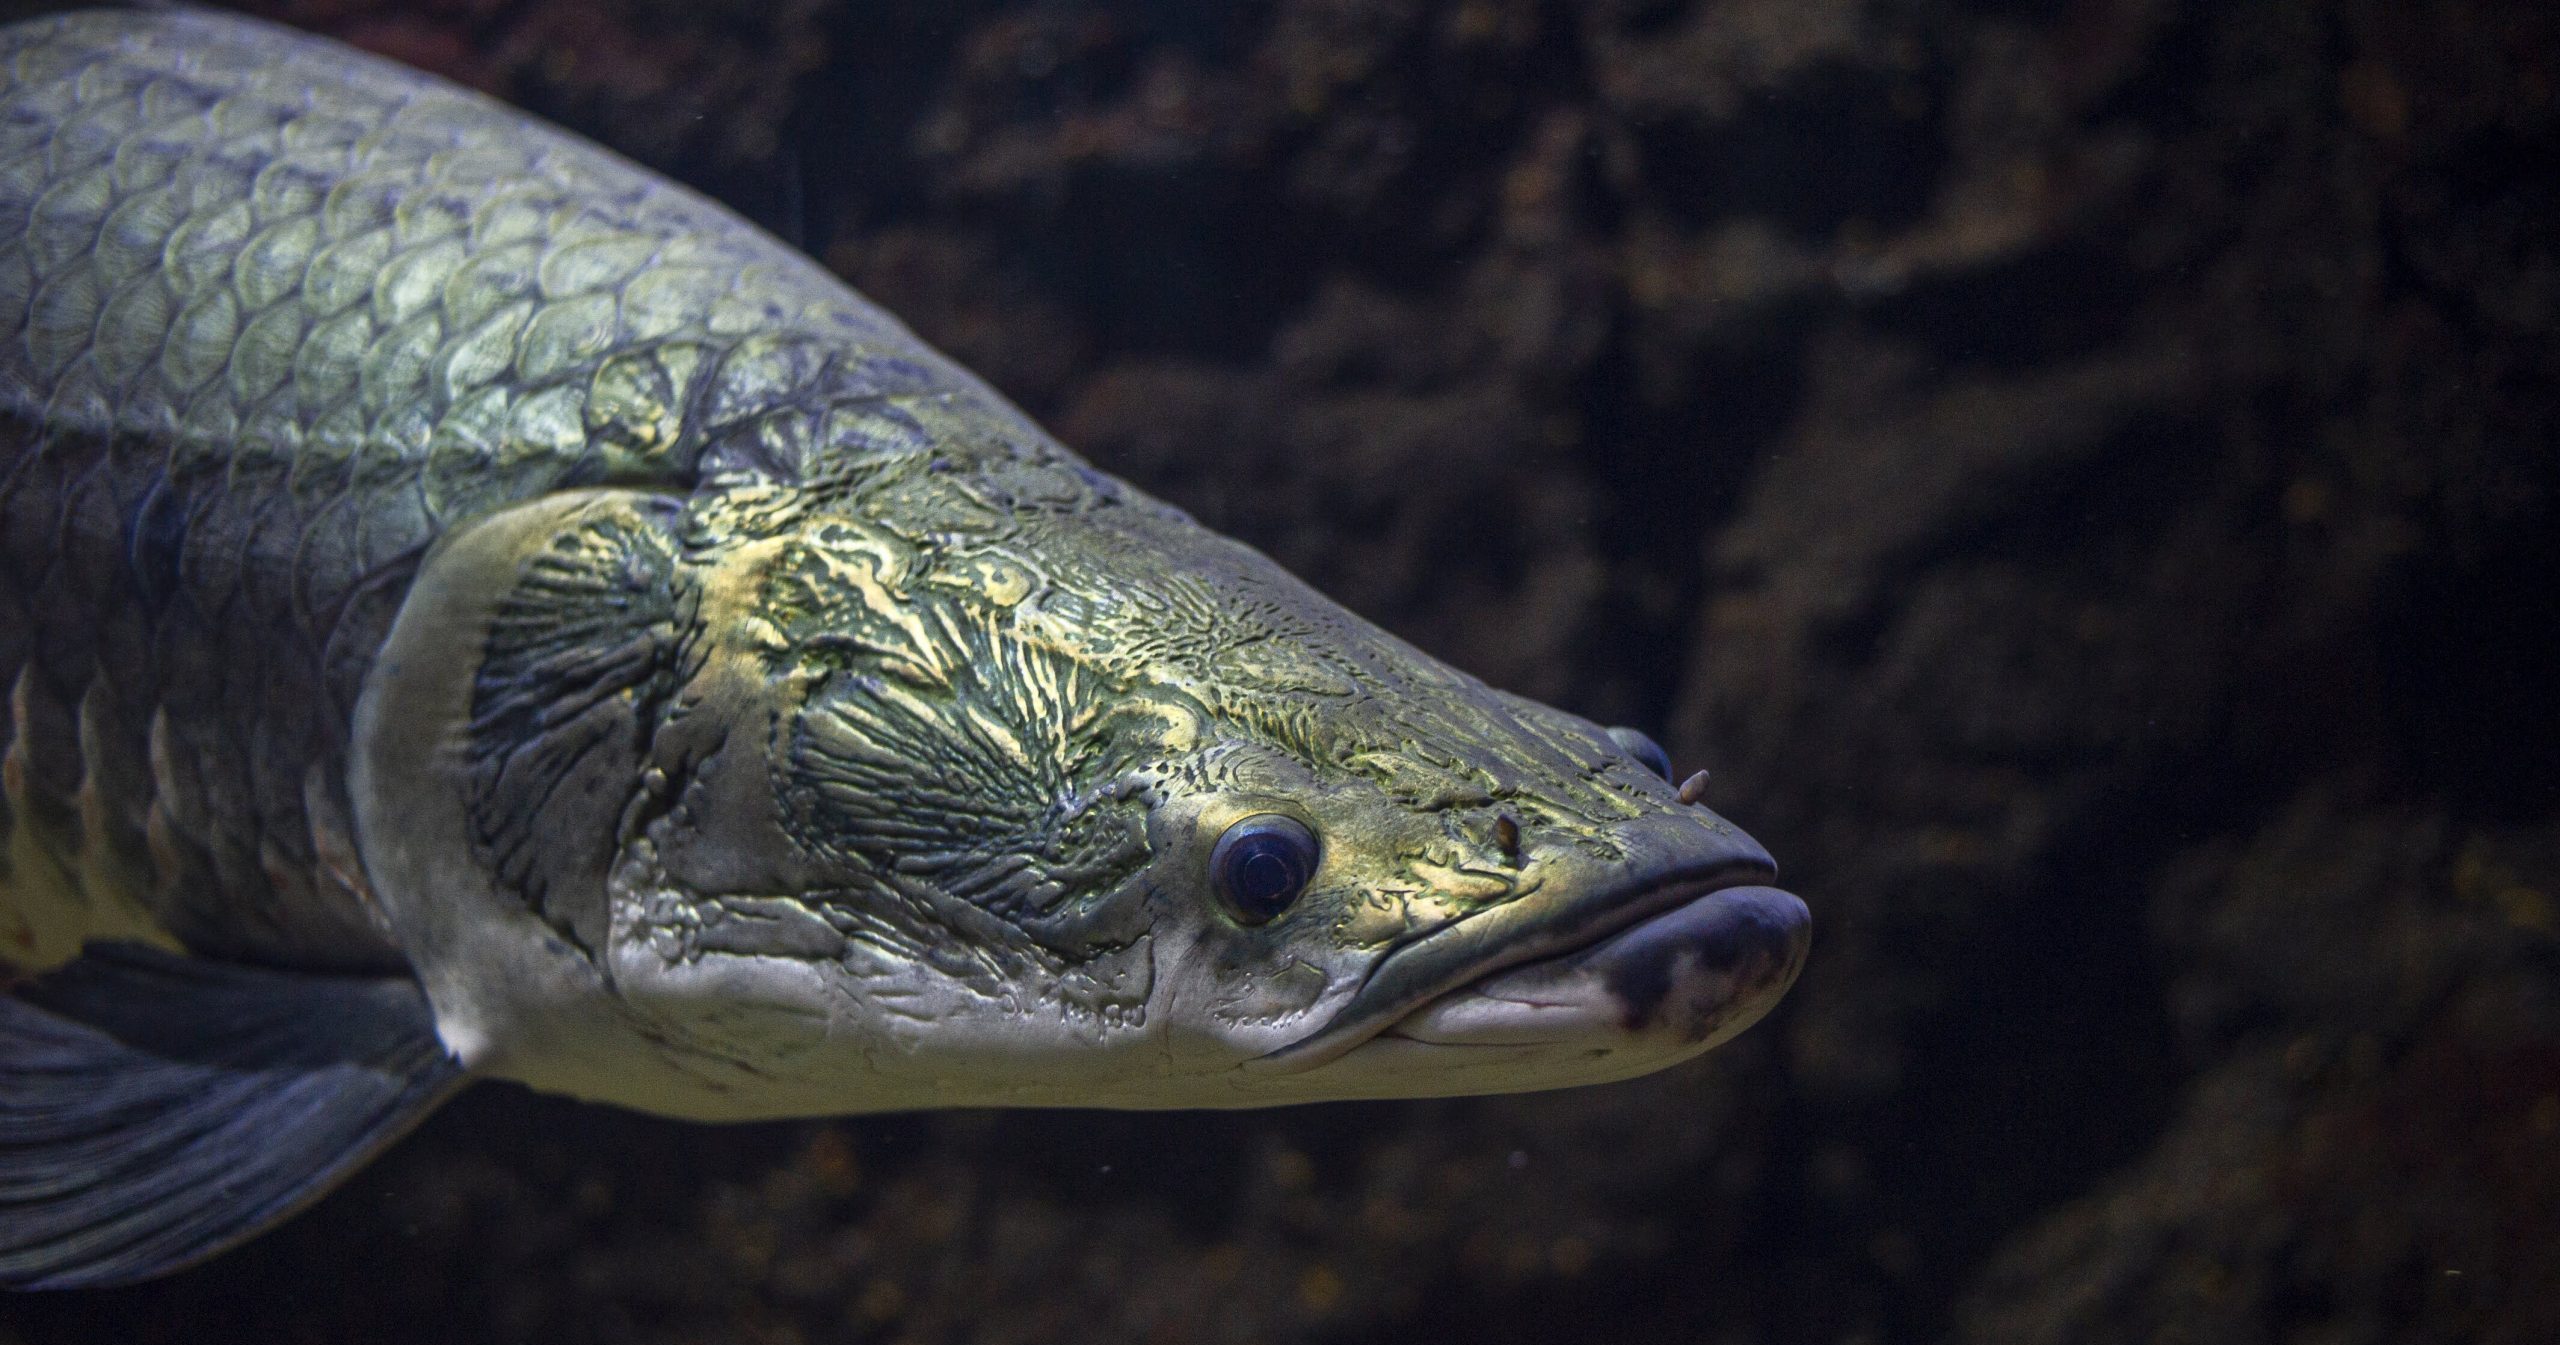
(156, 1109)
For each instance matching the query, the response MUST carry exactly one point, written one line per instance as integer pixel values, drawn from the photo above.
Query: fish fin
(156, 1109)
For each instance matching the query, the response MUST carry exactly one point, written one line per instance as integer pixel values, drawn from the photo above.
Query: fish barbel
(470, 608)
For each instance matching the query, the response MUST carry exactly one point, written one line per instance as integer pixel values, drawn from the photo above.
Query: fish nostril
(1644, 749)
(1506, 834)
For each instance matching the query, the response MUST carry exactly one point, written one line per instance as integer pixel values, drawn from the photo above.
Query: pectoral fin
(156, 1109)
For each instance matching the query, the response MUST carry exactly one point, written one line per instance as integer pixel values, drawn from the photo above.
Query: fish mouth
(1674, 985)
(1680, 941)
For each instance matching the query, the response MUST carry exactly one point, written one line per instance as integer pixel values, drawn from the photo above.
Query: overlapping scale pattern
(271, 318)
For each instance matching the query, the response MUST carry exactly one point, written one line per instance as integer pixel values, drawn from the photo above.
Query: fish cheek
(981, 798)
(1257, 988)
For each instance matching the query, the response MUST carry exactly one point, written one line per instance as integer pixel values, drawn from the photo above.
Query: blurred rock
(2371, 1151)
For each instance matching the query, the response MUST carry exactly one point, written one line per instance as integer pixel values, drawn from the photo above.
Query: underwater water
(2082, 478)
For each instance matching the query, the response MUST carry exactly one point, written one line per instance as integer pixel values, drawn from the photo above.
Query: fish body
(471, 608)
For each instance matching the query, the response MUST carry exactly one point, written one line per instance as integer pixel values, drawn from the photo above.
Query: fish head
(952, 800)
(1114, 811)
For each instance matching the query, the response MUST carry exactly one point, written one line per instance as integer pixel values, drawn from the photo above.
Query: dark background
(2081, 475)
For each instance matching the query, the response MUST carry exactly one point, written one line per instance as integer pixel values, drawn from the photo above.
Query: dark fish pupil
(1266, 874)
(1262, 864)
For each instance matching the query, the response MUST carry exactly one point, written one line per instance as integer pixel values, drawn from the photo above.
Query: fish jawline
(1690, 977)
(1583, 925)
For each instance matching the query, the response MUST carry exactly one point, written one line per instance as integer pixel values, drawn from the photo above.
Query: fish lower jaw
(1660, 991)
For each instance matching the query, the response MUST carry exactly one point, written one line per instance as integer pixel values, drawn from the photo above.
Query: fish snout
(1672, 945)
(1661, 851)
(1656, 924)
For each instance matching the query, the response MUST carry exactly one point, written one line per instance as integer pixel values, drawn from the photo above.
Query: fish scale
(470, 609)
(255, 356)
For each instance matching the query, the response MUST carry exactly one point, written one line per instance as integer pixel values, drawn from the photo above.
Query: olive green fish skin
(272, 320)
(431, 544)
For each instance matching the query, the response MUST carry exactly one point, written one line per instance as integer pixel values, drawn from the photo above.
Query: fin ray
(156, 1109)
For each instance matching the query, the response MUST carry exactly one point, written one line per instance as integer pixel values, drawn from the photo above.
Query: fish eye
(1643, 749)
(1261, 864)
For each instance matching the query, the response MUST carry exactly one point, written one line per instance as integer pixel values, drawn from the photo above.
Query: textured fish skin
(431, 545)
(263, 345)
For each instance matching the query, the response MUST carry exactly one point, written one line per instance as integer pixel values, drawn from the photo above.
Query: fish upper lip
(1438, 963)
